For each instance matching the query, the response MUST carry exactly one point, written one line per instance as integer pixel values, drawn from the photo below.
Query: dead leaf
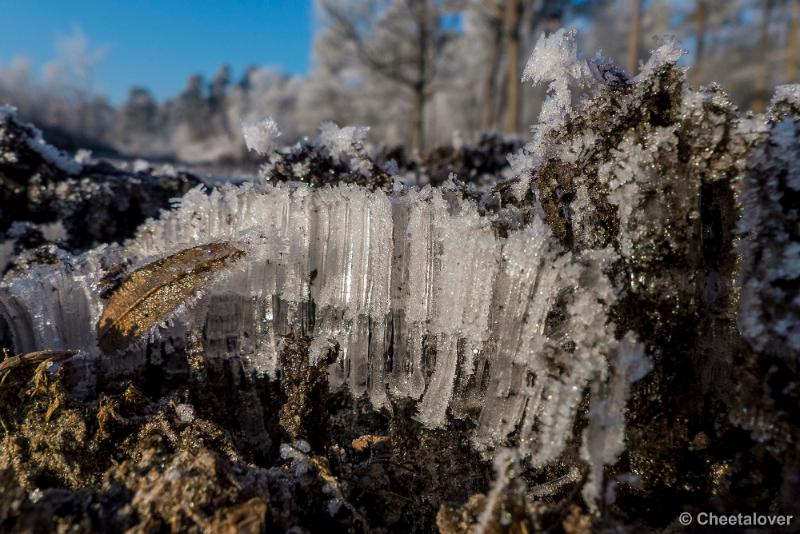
(151, 293)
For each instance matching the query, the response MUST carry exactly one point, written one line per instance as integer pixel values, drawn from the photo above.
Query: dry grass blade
(151, 293)
(34, 358)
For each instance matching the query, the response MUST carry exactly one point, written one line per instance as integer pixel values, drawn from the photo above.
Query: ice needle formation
(419, 291)
(529, 309)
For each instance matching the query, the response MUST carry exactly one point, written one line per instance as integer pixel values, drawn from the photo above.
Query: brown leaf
(151, 293)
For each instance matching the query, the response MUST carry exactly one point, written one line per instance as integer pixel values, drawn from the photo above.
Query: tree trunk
(418, 122)
(513, 16)
(634, 36)
(701, 21)
(420, 89)
(792, 44)
(760, 99)
(487, 121)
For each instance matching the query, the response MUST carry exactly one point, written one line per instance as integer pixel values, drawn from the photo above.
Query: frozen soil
(187, 453)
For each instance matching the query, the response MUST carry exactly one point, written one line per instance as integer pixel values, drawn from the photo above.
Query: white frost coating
(789, 93)
(770, 259)
(260, 136)
(60, 305)
(668, 51)
(422, 296)
(53, 154)
(344, 141)
(555, 61)
(462, 297)
(630, 175)
(141, 165)
(83, 156)
(604, 439)
(185, 413)
(38, 144)
(505, 467)
(320, 346)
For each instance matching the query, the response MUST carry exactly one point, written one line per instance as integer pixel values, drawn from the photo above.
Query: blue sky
(159, 43)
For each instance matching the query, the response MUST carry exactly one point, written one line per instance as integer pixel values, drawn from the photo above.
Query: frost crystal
(260, 136)
(37, 143)
(394, 278)
(345, 141)
(770, 230)
(347, 144)
(668, 51)
(786, 93)
(603, 440)
(555, 61)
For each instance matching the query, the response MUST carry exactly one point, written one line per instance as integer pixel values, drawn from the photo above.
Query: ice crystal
(391, 279)
(37, 143)
(555, 61)
(785, 101)
(260, 136)
(667, 52)
(603, 439)
(506, 463)
(770, 270)
(345, 141)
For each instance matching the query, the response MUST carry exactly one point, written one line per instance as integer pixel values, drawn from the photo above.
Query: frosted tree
(64, 96)
(219, 86)
(487, 28)
(398, 40)
(139, 128)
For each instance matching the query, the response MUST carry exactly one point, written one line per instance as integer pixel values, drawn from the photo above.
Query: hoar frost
(261, 136)
(343, 141)
(554, 61)
(396, 277)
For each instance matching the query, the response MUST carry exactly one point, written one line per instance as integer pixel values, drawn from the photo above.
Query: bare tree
(492, 13)
(399, 40)
(512, 19)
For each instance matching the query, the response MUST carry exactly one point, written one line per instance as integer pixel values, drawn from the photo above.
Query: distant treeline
(420, 73)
